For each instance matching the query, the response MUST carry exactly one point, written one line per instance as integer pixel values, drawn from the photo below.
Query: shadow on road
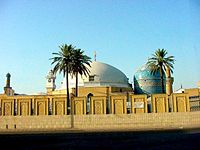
(161, 140)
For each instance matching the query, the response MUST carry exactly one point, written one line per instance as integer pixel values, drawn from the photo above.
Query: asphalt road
(148, 140)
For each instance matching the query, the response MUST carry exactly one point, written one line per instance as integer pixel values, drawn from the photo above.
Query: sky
(124, 34)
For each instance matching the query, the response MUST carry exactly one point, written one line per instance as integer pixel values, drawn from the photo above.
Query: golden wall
(193, 92)
(79, 105)
(98, 105)
(159, 103)
(114, 104)
(180, 102)
(118, 104)
(109, 122)
(7, 107)
(23, 106)
(139, 104)
(59, 105)
(97, 91)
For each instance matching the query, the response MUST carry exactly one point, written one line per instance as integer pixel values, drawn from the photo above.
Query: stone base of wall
(107, 122)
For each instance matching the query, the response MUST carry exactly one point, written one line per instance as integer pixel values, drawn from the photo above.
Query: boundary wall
(115, 104)
(109, 122)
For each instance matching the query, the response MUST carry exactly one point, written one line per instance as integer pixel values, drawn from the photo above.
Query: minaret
(50, 82)
(7, 89)
(169, 81)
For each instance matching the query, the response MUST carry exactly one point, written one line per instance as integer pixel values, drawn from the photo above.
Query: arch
(23, 110)
(88, 103)
(59, 108)
(98, 108)
(78, 108)
(41, 109)
(118, 107)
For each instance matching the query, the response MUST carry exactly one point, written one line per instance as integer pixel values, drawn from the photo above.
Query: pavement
(184, 139)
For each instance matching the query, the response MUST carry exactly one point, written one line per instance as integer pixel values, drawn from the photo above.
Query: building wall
(109, 122)
(139, 103)
(97, 91)
(110, 104)
(180, 102)
(193, 92)
(118, 104)
(160, 103)
(194, 98)
(40, 113)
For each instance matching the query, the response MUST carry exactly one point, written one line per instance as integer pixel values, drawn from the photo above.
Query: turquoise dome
(147, 83)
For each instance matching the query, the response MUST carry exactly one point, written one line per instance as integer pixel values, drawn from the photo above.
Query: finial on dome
(95, 55)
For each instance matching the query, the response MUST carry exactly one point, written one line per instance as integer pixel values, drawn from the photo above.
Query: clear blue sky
(123, 32)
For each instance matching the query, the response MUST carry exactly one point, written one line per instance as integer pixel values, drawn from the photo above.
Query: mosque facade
(102, 77)
(106, 82)
(108, 78)
(105, 92)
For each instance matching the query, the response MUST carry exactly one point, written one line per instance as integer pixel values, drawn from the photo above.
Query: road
(137, 140)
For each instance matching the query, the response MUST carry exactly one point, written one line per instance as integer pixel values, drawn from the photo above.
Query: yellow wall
(118, 104)
(97, 91)
(180, 102)
(193, 92)
(98, 105)
(140, 100)
(79, 105)
(159, 103)
(109, 122)
(114, 103)
(32, 113)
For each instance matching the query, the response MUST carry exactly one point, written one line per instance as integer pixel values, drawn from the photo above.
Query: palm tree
(80, 64)
(159, 62)
(62, 61)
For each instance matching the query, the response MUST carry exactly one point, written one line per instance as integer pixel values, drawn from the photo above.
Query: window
(91, 78)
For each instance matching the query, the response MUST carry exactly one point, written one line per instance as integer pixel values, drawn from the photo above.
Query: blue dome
(147, 83)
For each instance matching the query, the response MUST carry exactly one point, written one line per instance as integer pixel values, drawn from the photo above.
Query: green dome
(146, 82)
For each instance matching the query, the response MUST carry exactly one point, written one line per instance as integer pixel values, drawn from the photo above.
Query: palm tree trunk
(76, 84)
(161, 77)
(67, 88)
(68, 100)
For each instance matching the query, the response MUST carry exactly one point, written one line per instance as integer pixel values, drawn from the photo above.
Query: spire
(8, 79)
(50, 81)
(95, 55)
(169, 81)
(8, 89)
(168, 72)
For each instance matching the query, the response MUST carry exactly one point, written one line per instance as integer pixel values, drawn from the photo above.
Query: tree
(63, 61)
(80, 64)
(159, 62)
